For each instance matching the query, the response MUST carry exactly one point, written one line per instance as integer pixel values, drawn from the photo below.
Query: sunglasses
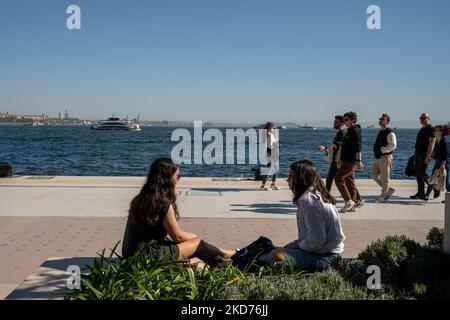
(423, 118)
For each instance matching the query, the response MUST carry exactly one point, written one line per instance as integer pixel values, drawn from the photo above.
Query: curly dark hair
(352, 116)
(157, 190)
(304, 176)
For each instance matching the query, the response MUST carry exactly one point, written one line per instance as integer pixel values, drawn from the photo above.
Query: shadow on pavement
(273, 208)
(49, 281)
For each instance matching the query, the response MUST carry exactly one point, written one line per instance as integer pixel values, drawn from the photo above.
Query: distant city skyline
(321, 124)
(227, 61)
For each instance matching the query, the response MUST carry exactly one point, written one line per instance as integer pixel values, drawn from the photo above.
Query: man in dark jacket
(333, 149)
(332, 152)
(351, 158)
(424, 153)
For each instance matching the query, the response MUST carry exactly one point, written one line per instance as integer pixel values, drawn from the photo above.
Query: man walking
(350, 158)
(332, 153)
(424, 151)
(384, 147)
(332, 150)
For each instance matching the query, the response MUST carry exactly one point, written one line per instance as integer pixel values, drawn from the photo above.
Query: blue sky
(226, 60)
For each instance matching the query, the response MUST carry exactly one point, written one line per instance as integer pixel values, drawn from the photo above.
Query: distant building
(66, 115)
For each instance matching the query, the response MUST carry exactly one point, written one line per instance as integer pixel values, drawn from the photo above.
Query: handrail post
(447, 224)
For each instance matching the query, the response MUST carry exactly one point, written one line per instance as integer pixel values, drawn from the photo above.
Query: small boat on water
(306, 126)
(114, 123)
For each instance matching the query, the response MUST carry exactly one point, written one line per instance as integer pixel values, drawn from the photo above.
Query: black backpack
(251, 253)
(410, 168)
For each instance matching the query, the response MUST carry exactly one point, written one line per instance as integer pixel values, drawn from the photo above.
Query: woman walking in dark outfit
(442, 158)
(153, 215)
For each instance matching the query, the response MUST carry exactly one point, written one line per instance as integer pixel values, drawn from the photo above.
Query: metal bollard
(6, 170)
(447, 224)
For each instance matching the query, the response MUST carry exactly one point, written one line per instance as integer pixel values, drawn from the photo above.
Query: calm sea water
(78, 150)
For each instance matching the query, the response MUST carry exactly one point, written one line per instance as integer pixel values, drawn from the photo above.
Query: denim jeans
(308, 261)
(265, 178)
(447, 182)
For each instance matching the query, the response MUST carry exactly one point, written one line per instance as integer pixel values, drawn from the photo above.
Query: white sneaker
(266, 188)
(275, 187)
(380, 200)
(349, 206)
(390, 192)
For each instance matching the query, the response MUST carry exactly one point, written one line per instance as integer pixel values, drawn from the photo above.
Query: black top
(351, 144)
(442, 150)
(337, 141)
(423, 140)
(381, 141)
(138, 232)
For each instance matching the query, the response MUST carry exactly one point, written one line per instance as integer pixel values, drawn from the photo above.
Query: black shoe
(418, 196)
(436, 194)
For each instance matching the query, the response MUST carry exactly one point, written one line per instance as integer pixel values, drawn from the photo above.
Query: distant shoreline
(184, 125)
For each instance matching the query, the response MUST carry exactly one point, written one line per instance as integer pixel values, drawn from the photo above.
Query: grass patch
(408, 270)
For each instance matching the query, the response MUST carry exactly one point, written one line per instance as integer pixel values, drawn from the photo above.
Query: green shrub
(436, 238)
(431, 268)
(328, 285)
(352, 270)
(138, 277)
(408, 270)
(391, 255)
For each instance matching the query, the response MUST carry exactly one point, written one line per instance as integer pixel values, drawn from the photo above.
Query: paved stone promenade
(74, 217)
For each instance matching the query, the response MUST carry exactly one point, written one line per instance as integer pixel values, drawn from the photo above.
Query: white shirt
(392, 143)
(274, 146)
(319, 225)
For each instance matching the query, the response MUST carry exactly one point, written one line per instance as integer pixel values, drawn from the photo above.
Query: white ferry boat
(114, 123)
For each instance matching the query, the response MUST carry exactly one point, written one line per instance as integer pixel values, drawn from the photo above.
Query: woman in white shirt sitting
(320, 236)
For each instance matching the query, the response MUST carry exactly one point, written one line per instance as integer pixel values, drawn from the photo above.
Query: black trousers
(332, 174)
(421, 173)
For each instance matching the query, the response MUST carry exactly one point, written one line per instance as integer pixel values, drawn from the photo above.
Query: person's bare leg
(278, 255)
(197, 245)
(198, 263)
